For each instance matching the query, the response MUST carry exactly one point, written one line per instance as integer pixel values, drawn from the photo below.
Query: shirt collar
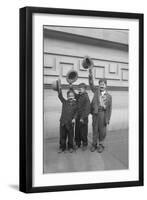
(103, 93)
(83, 93)
(71, 101)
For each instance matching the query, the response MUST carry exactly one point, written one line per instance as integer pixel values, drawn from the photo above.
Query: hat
(56, 85)
(87, 63)
(82, 85)
(72, 76)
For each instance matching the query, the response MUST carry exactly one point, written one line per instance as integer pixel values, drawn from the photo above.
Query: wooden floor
(115, 156)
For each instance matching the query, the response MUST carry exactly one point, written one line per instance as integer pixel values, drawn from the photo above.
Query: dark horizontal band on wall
(111, 88)
(81, 57)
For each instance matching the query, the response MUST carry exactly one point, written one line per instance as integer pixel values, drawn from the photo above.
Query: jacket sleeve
(91, 83)
(60, 96)
(109, 109)
(85, 107)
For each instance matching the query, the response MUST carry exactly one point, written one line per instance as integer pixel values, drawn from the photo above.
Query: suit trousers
(66, 132)
(99, 127)
(81, 132)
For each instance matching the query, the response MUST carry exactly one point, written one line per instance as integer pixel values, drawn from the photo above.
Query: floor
(115, 156)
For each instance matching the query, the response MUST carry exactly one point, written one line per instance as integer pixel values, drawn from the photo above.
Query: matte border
(25, 99)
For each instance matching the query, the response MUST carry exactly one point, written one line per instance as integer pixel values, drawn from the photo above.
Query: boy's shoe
(93, 148)
(77, 147)
(71, 150)
(60, 150)
(100, 148)
(84, 148)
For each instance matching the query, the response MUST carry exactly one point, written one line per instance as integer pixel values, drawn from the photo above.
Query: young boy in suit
(83, 110)
(67, 120)
(101, 107)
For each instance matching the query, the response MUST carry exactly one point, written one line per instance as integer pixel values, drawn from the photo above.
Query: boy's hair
(103, 80)
(70, 91)
(82, 85)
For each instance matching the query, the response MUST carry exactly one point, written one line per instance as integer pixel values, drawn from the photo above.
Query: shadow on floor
(14, 187)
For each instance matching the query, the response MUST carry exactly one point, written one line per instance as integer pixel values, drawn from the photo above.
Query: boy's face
(81, 90)
(70, 96)
(102, 86)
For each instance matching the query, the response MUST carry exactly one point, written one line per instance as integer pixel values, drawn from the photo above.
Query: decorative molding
(125, 75)
(55, 66)
(49, 61)
(99, 72)
(80, 57)
(113, 69)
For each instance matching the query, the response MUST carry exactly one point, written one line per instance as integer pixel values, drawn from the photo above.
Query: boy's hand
(70, 86)
(106, 123)
(82, 121)
(73, 121)
(104, 107)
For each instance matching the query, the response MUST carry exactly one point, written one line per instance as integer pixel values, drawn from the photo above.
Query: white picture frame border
(54, 179)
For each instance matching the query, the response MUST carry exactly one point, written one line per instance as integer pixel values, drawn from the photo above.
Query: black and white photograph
(72, 100)
(85, 99)
(81, 123)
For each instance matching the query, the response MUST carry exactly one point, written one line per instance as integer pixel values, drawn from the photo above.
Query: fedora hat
(87, 63)
(71, 76)
(56, 85)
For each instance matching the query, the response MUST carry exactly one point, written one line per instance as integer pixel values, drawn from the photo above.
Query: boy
(101, 108)
(67, 120)
(83, 110)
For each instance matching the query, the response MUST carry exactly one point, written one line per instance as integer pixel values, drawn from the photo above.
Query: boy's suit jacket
(95, 104)
(69, 109)
(83, 105)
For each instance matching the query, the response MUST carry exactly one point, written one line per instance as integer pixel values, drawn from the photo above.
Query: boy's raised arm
(60, 95)
(91, 82)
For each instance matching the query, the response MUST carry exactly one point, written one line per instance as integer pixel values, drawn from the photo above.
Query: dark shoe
(84, 148)
(93, 148)
(100, 148)
(102, 145)
(60, 150)
(77, 147)
(65, 151)
(71, 150)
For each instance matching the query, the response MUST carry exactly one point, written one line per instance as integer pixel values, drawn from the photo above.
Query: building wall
(65, 51)
(61, 56)
(52, 112)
